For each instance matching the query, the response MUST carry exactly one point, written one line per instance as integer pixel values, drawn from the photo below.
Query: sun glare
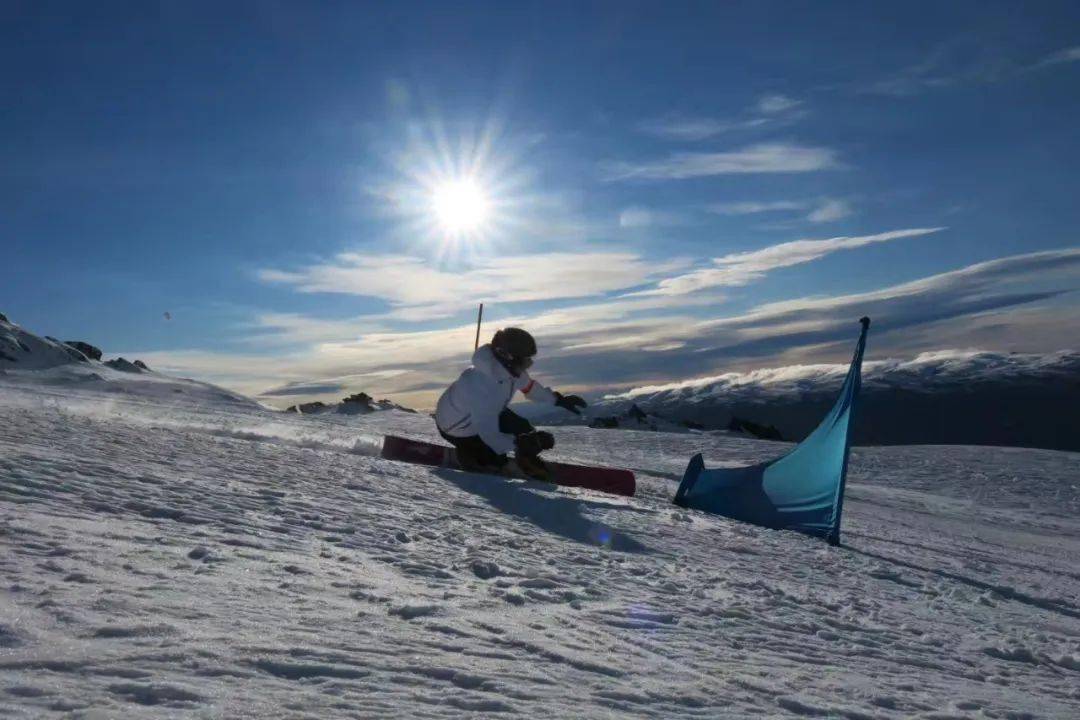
(461, 206)
(460, 192)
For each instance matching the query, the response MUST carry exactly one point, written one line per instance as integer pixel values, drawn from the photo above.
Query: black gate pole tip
(865, 321)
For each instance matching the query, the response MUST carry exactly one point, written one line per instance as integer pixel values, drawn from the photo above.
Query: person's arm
(536, 392)
(540, 394)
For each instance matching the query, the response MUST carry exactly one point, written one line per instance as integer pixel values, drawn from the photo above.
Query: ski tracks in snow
(223, 563)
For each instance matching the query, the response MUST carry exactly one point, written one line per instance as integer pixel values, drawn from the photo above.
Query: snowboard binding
(533, 467)
(469, 464)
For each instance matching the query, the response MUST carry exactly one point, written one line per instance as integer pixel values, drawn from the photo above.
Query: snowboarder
(473, 415)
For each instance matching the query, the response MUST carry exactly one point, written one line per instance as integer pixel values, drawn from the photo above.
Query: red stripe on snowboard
(610, 480)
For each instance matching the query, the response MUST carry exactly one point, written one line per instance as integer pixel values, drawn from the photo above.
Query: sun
(461, 206)
(460, 191)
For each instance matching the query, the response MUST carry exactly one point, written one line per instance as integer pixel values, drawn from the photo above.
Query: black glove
(534, 443)
(573, 403)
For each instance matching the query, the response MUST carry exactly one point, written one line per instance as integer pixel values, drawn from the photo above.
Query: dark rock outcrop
(387, 405)
(356, 404)
(76, 355)
(307, 408)
(125, 366)
(633, 419)
(85, 348)
(763, 432)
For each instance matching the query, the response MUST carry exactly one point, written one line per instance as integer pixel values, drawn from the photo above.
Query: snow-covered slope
(56, 369)
(943, 397)
(216, 560)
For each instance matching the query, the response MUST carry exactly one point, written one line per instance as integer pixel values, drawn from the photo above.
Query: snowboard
(609, 480)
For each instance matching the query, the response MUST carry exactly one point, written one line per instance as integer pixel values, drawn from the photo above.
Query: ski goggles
(515, 360)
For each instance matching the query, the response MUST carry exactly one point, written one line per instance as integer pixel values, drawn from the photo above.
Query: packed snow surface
(176, 554)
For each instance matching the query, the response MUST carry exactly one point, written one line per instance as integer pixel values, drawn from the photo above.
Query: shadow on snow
(555, 513)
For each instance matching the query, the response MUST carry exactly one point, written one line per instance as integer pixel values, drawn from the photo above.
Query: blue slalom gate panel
(803, 490)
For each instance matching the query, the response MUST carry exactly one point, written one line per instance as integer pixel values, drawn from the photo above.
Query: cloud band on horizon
(583, 346)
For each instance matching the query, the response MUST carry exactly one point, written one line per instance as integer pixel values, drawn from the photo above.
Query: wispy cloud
(271, 329)
(911, 81)
(973, 282)
(743, 268)
(776, 104)
(769, 110)
(914, 312)
(963, 61)
(686, 128)
(304, 389)
(830, 211)
(418, 289)
(762, 158)
(330, 386)
(820, 211)
(751, 207)
(1068, 55)
(641, 217)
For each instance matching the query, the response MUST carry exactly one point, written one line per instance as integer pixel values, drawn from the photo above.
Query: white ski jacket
(472, 404)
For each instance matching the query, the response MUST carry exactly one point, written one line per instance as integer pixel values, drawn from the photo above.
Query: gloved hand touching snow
(534, 443)
(573, 403)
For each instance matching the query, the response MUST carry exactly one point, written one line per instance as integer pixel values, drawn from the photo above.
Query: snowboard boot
(470, 464)
(533, 467)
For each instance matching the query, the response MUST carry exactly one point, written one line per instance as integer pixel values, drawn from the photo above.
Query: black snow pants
(474, 451)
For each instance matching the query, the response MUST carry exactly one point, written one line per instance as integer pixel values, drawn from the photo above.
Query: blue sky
(675, 190)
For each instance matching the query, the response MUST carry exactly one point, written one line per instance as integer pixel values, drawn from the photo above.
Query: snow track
(222, 561)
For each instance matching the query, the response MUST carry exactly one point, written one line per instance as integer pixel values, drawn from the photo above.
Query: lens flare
(461, 207)
(460, 191)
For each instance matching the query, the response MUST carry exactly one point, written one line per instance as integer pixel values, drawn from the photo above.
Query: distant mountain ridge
(356, 404)
(946, 397)
(635, 418)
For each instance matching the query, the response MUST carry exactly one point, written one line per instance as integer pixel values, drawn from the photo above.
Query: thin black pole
(479, 317)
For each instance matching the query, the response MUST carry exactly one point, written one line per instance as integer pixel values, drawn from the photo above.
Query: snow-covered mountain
(23, 350)
(217, 559)
(944, 397)
(54, 367)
